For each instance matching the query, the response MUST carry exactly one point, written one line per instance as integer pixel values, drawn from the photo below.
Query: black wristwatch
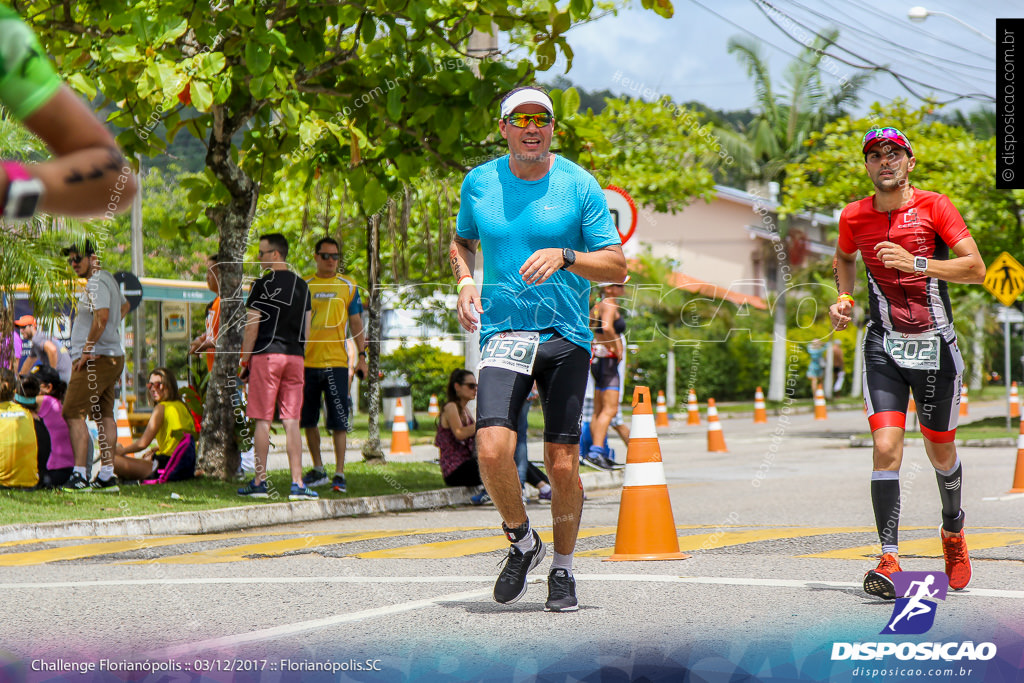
(569, 257)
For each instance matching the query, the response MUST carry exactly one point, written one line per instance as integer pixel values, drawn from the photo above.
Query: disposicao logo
(914, 614)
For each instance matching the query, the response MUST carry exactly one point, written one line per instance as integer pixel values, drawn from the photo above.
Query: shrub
(425, 367)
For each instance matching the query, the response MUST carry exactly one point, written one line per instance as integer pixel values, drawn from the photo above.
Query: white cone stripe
(714, 426)
(692, 407)
(1020, 442)
(644, 474)
(661, 408)
(400, 427)
(643, 427)
(712, 411)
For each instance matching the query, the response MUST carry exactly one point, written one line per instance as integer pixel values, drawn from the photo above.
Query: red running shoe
(958, 563)
(878, 582)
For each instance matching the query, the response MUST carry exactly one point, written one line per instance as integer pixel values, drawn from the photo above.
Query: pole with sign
(1004, 279)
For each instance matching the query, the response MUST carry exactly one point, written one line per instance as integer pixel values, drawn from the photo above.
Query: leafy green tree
(379, 92)
(777, 137)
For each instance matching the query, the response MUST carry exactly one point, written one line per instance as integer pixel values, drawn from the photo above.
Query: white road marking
(299, 627)
(1012, 496)
(627, 578)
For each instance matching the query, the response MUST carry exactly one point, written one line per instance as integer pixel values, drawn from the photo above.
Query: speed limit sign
(623, 210)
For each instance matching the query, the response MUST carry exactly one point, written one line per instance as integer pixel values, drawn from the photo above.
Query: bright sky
(640, 54)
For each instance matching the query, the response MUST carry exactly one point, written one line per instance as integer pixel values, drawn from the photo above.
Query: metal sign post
(1004, 279)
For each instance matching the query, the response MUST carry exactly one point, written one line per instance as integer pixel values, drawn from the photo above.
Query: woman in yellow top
(169, 425)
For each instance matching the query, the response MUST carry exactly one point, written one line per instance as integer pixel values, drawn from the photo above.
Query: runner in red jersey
(904, 236)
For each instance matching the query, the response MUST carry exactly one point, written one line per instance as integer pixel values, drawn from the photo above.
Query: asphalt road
(780, 530)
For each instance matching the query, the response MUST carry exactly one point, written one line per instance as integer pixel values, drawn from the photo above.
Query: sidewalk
(270, 514)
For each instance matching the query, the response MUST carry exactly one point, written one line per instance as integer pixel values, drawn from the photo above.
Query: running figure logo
(914, 612)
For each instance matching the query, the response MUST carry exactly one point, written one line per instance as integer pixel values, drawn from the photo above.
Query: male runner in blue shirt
(545, 229)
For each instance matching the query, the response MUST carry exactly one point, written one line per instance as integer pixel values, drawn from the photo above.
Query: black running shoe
(511, 583)
(76, 483)
(104, 485)
(561, 592)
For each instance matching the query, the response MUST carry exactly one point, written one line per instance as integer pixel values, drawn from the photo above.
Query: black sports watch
(569, 256)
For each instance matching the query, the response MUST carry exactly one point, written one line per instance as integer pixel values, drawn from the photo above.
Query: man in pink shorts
(277, 321)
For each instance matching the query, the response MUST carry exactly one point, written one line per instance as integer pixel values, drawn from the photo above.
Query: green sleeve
(27, 78)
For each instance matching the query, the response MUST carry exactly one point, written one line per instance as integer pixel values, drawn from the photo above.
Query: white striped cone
(963, 401)
(1018, 473)
(716, 439)
(661, 411)
(692, 409)
(124, 428)
(760, 411)
(400, 431)
(820, 411)
(433, 410)
(1014, 401)
(646, 529)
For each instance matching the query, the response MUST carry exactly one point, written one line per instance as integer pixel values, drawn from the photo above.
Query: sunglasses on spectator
(888, 133)
(327, 255)
(520, 120)
(260, 253)
(74, 260)
(471, 385)
(155, 385)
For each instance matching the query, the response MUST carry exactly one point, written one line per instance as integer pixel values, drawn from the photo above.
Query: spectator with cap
(45, 350)
(59, 465)
(97, 364)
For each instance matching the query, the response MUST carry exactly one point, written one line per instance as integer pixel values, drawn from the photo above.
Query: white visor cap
(526, 96)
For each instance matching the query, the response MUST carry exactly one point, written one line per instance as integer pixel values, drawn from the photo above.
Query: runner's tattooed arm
(462, 255)
(88, 176)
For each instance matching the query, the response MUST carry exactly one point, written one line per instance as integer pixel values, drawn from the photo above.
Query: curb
(258, 515)
(860, 442)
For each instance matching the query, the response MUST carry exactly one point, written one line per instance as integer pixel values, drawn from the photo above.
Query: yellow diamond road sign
(1005, 279)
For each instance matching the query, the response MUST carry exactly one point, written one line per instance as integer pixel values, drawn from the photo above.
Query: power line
(987, 69)
(783, 50)
(868, 65)
(966, 80)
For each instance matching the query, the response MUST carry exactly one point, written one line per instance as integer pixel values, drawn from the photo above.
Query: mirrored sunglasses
(520, 120)
(887, 133)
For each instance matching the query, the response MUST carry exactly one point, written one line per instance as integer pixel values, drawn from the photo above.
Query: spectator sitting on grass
(455, 436)
(170, 425)
(61, 462)
(26, 397)
(18, 465)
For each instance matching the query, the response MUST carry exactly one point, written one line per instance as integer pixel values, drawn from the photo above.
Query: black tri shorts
(605, 372)
(560, 371)
(887, 387)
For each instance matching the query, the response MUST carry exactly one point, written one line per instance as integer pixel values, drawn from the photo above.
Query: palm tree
(776, 137)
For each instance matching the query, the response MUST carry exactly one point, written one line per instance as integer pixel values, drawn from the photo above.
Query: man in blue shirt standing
(544, 226)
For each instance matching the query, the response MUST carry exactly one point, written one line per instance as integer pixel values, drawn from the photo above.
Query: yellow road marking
(77, 552)
(239, 553)
(722, 539)
(466, 546)
(925, 547)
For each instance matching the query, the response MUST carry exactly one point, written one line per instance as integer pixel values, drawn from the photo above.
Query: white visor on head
(526, 96)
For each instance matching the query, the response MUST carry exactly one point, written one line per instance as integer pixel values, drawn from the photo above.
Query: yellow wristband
(467, 280)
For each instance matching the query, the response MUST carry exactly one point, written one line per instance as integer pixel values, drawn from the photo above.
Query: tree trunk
(372, 451)
(218, 448)
(777, 380)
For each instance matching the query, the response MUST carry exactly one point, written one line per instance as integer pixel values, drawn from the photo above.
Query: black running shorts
(560, 371)
(606, 373)
(887, 388)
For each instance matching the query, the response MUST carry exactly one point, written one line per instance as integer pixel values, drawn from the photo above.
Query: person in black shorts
(545, 228)
(609, 326)
(904, 235)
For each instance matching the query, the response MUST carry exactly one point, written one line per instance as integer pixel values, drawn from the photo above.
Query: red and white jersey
(926, 226)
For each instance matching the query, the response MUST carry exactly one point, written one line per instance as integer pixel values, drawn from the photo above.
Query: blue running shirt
(512, 218)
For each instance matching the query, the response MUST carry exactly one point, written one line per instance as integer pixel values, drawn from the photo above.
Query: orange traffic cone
(692, 409)
(760, 413)
(1018, 472)
(963, 402)
(820, 412)
(400, 431)
(1014, 401)
(912, 414)
(124, 428)
(661, 411)
(716, 440)
(433, 410)
(647, 530)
